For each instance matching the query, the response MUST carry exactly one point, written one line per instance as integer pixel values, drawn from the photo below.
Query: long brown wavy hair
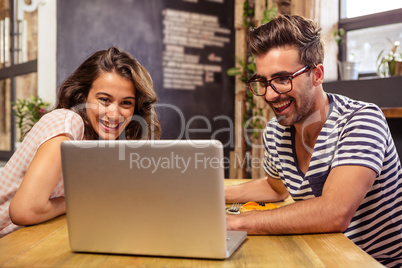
(74, 92)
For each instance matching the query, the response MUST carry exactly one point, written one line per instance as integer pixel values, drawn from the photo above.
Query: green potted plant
(347, 68)
(28, 112)
(390, 64)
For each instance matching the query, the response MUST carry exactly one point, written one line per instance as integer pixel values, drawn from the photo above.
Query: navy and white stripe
(355, 133)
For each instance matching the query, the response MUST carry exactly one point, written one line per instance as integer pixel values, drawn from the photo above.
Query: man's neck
(310, 128)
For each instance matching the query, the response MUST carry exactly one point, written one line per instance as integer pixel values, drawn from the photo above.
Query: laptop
(159, 198)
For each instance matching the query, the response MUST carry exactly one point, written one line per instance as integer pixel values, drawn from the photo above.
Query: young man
(334, 156)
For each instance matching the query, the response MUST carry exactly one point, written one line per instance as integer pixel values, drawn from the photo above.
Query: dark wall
(385, 92)
(136, 26)
(84, 27)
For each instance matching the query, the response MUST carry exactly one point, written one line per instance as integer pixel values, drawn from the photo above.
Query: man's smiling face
(295, 106)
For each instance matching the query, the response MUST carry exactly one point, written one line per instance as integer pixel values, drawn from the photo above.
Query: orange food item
(249, 206)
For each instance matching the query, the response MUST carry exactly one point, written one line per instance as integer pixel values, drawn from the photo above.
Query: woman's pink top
(52, 124)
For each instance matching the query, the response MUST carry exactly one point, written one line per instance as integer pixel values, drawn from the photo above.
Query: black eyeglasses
(282, 84)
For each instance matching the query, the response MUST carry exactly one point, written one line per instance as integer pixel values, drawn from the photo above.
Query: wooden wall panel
(240, 47)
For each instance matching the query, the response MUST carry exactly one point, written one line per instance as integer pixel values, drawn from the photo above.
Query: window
(370, 27)
(356, 8)
(18, 63)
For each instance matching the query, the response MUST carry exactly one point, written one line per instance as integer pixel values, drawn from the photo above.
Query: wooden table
(392, 112)
(46, 245)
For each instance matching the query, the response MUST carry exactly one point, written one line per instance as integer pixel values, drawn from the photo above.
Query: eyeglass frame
(267, 83)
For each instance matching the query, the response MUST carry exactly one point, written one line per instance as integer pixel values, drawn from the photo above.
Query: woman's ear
(318, 75)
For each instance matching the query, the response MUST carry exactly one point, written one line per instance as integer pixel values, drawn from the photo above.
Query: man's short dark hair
(289, 30)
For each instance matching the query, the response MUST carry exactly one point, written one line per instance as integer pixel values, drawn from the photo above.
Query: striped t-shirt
(355, 133)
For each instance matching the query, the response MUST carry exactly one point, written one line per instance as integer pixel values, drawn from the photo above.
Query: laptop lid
(163, 198)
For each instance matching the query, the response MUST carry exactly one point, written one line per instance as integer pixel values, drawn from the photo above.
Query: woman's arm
(31, 203)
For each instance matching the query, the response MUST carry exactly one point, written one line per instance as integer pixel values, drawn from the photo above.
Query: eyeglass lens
(279, 84)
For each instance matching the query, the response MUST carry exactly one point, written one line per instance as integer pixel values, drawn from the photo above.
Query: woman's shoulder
(61, 113)
(60, 121)
(62, 116)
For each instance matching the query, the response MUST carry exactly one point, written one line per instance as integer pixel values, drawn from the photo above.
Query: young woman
(110, 96)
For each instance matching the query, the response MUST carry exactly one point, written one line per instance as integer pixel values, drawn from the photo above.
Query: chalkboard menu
(186, 45)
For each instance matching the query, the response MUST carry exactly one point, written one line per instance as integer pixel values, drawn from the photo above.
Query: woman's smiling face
(110, 105)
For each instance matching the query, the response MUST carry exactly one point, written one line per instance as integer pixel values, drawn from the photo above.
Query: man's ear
(318, 75)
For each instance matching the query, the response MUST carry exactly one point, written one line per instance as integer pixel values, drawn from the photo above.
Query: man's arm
(343, 192)
(259, 190)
